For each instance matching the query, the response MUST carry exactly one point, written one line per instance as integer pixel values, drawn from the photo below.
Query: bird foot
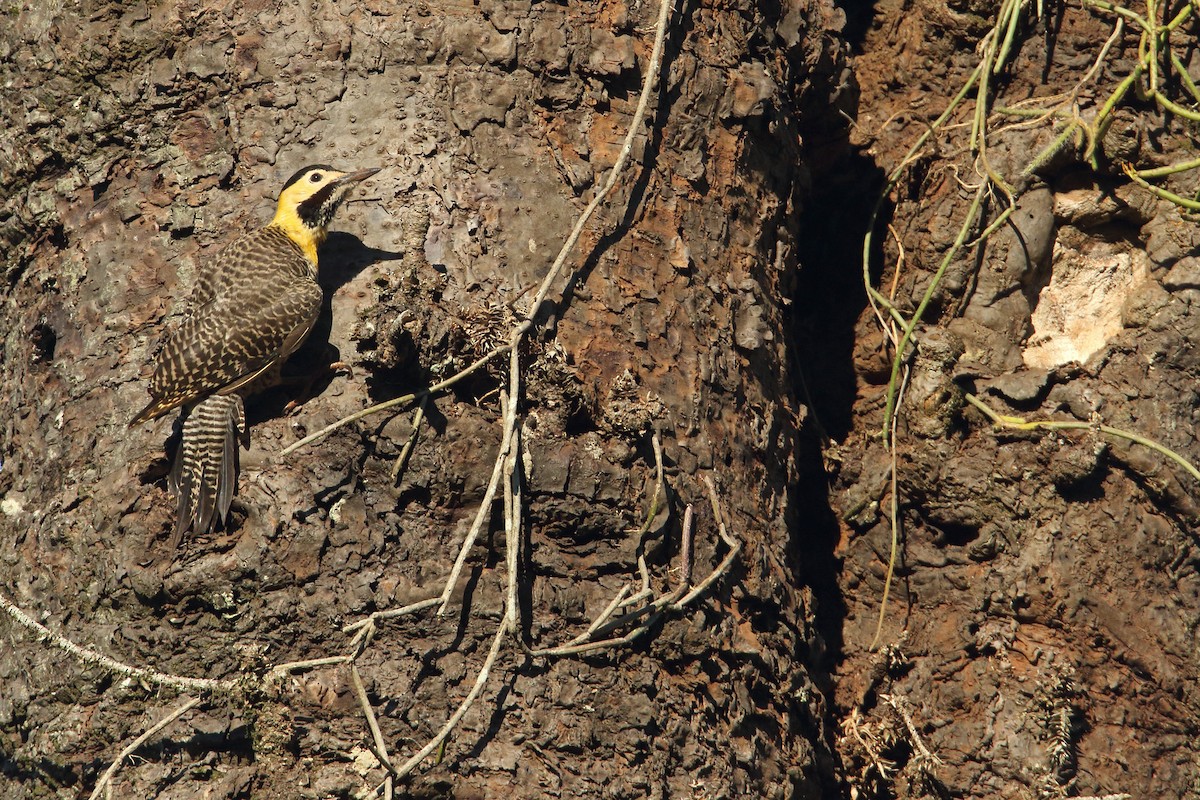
(336, 368)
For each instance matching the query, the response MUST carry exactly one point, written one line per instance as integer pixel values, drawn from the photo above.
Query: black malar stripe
(310, 209)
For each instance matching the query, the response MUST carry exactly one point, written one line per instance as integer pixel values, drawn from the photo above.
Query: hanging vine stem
(1153, 48)
(910, 325)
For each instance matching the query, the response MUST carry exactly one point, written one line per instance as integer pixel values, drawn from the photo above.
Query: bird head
(309, 200)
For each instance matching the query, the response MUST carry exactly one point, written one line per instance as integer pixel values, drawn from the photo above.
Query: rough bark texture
(1042, 628)
(1040, 639)
(138, 139)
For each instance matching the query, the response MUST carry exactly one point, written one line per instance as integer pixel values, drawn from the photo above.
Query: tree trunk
(990, 489)
(139, 140)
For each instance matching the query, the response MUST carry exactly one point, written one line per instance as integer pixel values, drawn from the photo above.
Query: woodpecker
(253, 305)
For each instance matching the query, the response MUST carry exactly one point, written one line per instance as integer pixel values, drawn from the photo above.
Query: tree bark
(141, 139)
(1039, 637)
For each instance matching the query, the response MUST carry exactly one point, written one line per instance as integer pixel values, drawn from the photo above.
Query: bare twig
(660, 491)
(375, 616)
(893, 517)
(468, 701)
(312, 663)
(603, 616)
(402, 459)
(712, 578)
(648, 81)
(380, 746)
(735, 548)
(660, 488)
(685, 550)
(105, 782)
(395, 401)
(604, 644)
(89, 656)
(512, 527)
(481, 516)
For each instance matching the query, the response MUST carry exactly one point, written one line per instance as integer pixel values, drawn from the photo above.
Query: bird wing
(231, 340)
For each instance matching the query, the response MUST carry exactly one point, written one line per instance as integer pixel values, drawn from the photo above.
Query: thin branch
(105, 781)
(395, 401)
(603, 616)
(894, 520)
(380, 745)
(480, 681)
(481, 516)
(734, 545)
(402, 459)
(712, 578)
(685, 550)
(89, 656)
(1170, 197)
(375, 616)
(606, 644)
(312, 663)
(512, 527)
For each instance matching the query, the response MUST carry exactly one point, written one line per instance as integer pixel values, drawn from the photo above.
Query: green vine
(1157, 67)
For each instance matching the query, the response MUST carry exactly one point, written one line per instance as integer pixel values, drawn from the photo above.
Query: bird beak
(361, 175)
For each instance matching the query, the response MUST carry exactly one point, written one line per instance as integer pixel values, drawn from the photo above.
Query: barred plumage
(249, 311)
(204, 476)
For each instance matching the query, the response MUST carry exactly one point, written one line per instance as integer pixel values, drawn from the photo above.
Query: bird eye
(316, 177)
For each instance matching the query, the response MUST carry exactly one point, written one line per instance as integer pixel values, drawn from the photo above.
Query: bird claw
(336, 368)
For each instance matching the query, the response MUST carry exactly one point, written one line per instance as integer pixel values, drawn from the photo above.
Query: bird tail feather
(204, 475)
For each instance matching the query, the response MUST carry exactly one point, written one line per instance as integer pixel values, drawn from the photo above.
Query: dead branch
(645, 617)
(379, 745)
(105, 782)
(89, 656)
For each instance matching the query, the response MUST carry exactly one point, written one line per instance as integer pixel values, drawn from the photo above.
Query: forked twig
(375, 616)
(649, 614)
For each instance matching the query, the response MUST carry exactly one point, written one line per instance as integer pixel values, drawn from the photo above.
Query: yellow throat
(288, 220)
